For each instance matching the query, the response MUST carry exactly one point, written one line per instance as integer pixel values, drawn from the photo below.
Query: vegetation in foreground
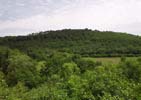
(34, 68)
(63, 76)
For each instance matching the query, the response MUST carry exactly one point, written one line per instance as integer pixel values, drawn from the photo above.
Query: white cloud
(115, 15)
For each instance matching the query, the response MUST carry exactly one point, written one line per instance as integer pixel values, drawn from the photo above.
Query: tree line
(80, 41)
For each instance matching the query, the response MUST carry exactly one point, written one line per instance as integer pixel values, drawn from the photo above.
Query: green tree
(69, 69)
(132, 70)
(4, 91)
(22, 68)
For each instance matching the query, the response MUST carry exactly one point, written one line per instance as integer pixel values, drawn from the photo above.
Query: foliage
(59, 65)
(79, 41)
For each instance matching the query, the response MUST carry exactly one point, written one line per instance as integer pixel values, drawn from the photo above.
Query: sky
(21, 17)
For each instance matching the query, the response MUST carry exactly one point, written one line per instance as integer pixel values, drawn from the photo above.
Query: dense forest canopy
(79, 41)
(59, 65)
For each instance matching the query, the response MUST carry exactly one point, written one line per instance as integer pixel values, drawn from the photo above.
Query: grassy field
(107, 60)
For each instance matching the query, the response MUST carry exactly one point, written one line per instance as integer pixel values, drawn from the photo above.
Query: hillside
(84, 42)
(58, 65)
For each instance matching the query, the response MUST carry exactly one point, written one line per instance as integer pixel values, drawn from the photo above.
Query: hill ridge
(85, 42)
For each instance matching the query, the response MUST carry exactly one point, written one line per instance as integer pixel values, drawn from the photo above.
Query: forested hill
(84, 41)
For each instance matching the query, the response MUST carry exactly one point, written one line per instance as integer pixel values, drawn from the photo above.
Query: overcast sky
(18, 17)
